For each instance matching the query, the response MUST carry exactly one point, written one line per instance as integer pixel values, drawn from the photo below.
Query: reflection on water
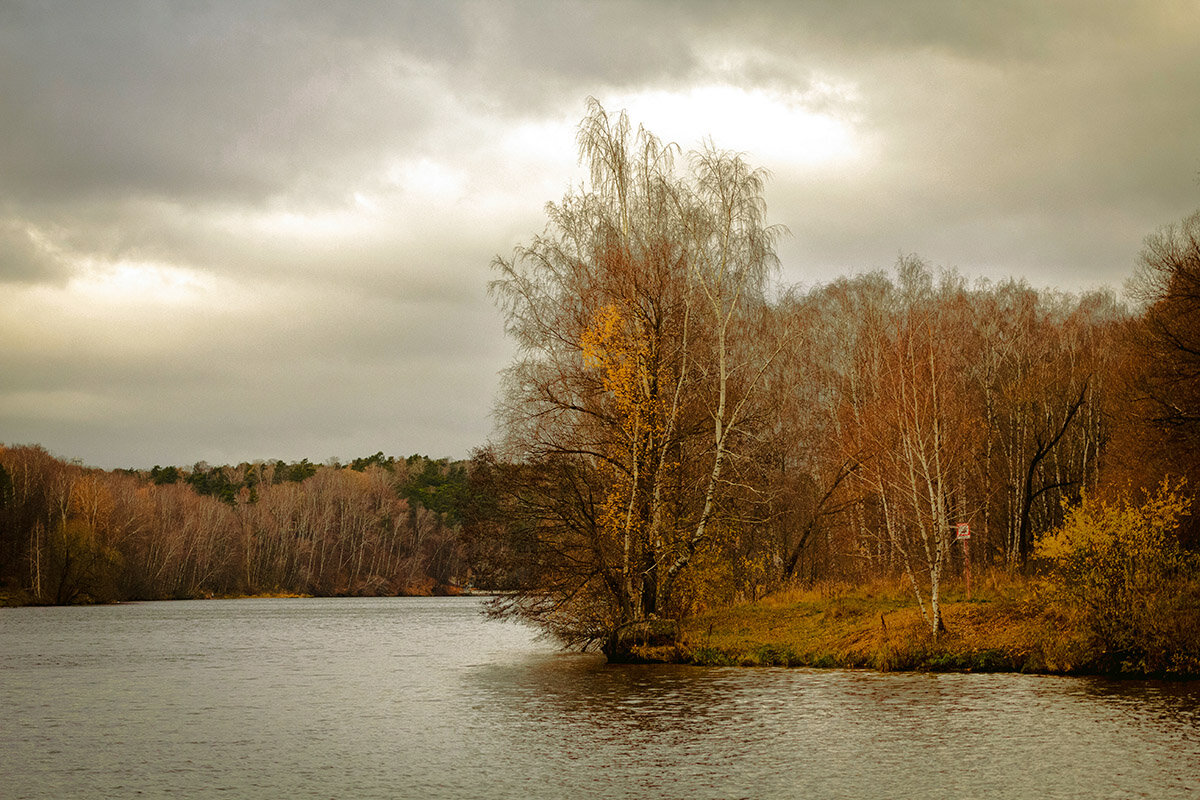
(425, 698)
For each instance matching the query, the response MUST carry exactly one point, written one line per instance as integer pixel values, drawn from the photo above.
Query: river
(425, 698)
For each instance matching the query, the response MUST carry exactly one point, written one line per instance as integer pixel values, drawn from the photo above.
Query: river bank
(1008, 625)
(16, 598)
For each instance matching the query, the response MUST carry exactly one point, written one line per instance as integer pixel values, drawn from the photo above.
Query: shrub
(1122, 565)
(777, 655)
(712, 657)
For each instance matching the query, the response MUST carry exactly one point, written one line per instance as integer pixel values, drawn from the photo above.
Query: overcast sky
(250, 230)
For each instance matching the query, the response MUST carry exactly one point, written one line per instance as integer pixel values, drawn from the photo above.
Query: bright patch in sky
(123, 309)
(365, 203)
(425, 178)
(541, 139)
(775, 129)
(329, 224)
(139, 283)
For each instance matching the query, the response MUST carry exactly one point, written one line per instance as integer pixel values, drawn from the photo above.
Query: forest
(680, 432)
(375, 526)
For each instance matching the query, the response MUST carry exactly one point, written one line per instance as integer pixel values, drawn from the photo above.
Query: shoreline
(1014, 630)
(10, 599)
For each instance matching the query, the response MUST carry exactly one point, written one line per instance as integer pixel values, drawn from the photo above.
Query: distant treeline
(376, 526)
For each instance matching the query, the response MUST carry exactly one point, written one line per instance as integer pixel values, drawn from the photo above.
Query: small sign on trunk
(962, 530)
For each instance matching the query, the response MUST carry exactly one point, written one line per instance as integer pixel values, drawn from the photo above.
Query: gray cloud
(22, 258)
(263, 229)
(317, 375)
(993, 32)
(1047, 153)
(192, 101)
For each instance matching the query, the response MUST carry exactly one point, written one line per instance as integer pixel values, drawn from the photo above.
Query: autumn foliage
(73, 534)
(680, 433)
(1121, 566)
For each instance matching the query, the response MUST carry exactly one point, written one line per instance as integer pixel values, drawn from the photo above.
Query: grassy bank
(1007, 625)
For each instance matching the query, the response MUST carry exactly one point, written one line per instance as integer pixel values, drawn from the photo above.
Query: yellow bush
(1122, 564)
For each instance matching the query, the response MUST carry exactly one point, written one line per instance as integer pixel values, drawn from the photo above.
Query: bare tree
(634, 313)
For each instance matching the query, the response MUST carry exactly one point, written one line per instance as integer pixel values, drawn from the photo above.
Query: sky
(244, 230)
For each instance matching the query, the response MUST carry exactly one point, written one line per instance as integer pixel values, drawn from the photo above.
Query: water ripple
(397, 698)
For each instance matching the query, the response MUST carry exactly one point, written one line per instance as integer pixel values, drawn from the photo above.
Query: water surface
(424, 698)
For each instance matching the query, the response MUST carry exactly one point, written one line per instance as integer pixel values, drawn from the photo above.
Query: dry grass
(1008, 624)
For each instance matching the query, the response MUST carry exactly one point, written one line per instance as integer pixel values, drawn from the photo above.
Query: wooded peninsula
(895, 470)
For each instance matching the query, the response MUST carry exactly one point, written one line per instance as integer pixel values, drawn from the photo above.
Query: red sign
(962, 530)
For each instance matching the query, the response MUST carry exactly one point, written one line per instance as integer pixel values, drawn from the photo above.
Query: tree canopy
(640, 316)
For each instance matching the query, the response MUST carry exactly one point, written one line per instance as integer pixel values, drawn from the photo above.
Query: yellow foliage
(623, 355)
(1102, 542)
(1122, 565)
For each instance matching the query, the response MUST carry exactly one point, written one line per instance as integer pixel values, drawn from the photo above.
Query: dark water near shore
(423, 698)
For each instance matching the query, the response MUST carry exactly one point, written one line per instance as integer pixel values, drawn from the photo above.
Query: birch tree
(634, 313)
